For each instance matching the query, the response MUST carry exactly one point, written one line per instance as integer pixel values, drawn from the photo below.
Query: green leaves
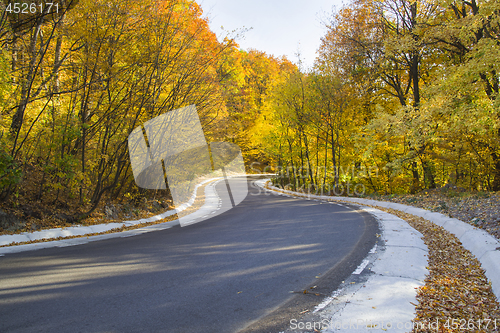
(10, 173)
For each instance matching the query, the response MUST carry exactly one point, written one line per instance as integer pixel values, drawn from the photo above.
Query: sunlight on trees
(407, 88)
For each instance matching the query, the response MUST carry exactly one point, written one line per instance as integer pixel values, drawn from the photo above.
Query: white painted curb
(482, 245)
(398, 264)
(210, 206)
(79, 230)
(386, 296)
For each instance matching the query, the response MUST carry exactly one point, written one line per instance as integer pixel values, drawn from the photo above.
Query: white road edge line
(361, 267)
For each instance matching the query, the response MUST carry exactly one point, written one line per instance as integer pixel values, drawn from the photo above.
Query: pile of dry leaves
(457, 296)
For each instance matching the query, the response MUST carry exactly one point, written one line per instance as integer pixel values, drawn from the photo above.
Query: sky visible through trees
(279, 27)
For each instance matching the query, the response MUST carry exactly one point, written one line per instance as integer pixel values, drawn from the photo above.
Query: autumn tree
(97, 72)
(466, 36)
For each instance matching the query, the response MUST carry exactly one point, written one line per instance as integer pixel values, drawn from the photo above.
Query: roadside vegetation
(403, 98)
(75, 82)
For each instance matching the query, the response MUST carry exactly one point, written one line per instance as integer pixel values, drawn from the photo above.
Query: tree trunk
(17, 119)
(429, 174)
(416, 178)
(496, 178)
(335, 167)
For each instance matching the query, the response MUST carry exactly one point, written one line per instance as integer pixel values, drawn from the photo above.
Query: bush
(10, 174)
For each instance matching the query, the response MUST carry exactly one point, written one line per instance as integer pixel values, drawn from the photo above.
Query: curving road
(231, 273)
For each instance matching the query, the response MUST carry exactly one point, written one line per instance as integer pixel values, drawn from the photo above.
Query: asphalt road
(231, 273)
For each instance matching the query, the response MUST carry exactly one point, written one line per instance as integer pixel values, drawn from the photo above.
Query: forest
(402, 98)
